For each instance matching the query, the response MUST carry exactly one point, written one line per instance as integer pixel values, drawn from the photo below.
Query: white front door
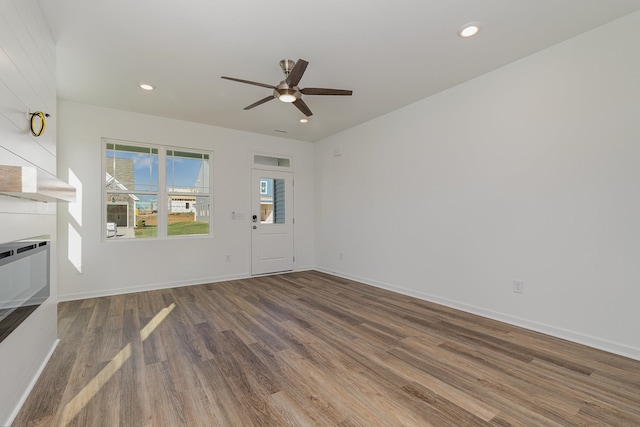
(271, 221)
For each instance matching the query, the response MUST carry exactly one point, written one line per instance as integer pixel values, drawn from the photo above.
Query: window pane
(188, 215)
(278, 201)
(187, 172)
(131, 215)
(131, 168)
(272, 201)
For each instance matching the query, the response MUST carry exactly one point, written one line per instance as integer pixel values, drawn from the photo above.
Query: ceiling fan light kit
(288, 90)
(286, 94)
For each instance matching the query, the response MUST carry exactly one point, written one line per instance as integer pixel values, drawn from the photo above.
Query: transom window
(133, 207)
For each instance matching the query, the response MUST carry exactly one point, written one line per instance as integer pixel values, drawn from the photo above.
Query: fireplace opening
(24, 281)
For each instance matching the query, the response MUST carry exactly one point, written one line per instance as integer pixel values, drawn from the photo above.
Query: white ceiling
(390, 53)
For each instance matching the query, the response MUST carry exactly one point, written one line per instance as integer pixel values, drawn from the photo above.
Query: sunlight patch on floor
(81, 400)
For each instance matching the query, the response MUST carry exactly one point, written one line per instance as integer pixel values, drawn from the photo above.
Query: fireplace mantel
(29, 182)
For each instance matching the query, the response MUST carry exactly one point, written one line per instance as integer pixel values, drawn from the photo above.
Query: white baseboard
(158, 286)
(588, 340)
(32, 384)
(147, 287)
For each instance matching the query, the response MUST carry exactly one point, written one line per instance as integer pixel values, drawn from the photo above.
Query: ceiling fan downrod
(287, 65)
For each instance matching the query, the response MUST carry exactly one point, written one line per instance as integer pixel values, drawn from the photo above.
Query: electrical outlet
(340, 256)
(228, 258)
(518, 286)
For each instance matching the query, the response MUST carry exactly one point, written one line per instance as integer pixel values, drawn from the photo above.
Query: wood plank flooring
(309, 349)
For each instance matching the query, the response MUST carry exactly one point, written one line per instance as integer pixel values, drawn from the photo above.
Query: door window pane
(278, 201)
(272, 196)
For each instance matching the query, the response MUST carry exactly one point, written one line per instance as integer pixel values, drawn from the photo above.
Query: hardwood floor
(309, 349)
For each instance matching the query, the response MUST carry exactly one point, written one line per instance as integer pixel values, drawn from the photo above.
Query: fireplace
(24, 281)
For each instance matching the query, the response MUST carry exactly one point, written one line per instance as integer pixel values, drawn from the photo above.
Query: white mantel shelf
(29, 182)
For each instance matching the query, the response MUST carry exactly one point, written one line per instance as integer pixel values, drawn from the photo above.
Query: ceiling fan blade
(323, 91)
(249, 82)
(303, 107)
(296, 73)
(262, 101)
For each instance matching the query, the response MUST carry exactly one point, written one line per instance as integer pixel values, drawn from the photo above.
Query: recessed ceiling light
(304, 120)
(469, 30)
(146, 86)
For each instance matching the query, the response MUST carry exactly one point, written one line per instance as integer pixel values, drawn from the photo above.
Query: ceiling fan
(288, 90)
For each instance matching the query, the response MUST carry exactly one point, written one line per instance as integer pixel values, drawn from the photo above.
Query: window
(272, 201)
(133, 194)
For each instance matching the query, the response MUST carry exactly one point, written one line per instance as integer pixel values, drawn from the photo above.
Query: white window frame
(162, 192)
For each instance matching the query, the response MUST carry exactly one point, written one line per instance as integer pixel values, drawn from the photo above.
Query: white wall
(123, 266)
(27, 82)
(530, 172)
